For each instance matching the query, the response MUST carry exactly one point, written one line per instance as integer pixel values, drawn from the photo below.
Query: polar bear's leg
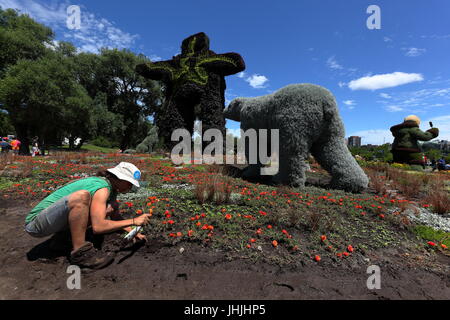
(334, 156)
(292, 165)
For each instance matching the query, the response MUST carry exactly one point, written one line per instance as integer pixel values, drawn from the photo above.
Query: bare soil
(30, 270)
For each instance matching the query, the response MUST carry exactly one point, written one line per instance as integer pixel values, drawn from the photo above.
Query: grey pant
(50, 220)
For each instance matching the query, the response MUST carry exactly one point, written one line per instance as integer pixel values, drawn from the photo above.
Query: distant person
(86, 203)
(405, 147)
(5, 146)
(433, 165)
(15, 146)
(441, 164)
(35, 147)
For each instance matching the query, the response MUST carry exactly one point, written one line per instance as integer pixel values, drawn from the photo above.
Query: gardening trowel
(130, 236)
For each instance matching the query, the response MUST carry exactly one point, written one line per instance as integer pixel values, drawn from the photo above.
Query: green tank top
(91, 184)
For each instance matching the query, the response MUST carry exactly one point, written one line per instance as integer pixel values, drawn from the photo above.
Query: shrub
(216, 188)
(103, 142)
(376, 181)
(438, 197)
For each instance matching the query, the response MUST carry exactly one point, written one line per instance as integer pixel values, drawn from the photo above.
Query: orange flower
(323, 238)
(443, 246)
(252, 240)
(317, 258)
(179, 234)
(275, 243)
(190, 233)
(228, 216)
(350, 248)
(345, 254)
(138, 211)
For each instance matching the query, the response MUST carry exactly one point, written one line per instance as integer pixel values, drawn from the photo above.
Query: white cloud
(241, 74)
(413, 52)
(341, 84)
(419, 101)
(257, 81)
(154, 57)
(95, 32)
(381, 81)
(349, 102)
(333, 64)
(394, 108)
(375, 136)
(385, 96)
(387, 39)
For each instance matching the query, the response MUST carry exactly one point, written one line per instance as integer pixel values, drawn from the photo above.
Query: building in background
(354, 141)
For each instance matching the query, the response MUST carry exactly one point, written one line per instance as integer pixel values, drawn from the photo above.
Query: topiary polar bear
(308, 121)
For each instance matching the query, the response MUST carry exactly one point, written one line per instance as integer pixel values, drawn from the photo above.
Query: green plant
(430, 234)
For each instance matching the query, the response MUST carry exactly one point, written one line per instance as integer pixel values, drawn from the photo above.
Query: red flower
(345, 254)
(190, 233)
(381, 216)
(228, 216)
(443, 246)
(323, 238)
(275, 243)
(350, 248)
(252, 240)
(269, 227)
(431, 243)
(317, 258)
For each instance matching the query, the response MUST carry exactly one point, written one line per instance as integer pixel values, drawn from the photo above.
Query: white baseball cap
(128, 172)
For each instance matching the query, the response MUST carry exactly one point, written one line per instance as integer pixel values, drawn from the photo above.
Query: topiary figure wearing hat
(405, 148)
(194, 86)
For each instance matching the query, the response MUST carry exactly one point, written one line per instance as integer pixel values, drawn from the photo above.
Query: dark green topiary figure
(149, 142)
(405, 148)
(195, 86)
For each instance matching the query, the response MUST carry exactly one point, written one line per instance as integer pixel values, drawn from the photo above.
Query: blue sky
(377, 76)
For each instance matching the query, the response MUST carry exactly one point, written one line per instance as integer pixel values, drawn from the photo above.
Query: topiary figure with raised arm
(194, 86)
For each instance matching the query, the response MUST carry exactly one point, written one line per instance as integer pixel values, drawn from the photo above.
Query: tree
(43, 98)
(6, 126)
(132, 98)
(21, 38)
(129, 94)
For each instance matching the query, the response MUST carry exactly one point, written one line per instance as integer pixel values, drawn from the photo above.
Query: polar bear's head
(233, 111)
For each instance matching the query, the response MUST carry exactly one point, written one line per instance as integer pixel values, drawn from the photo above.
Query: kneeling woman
(86, 202)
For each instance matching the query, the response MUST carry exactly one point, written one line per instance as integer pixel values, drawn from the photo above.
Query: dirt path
(156, 271)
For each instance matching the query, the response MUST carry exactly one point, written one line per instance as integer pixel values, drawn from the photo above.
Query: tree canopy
(51, 90)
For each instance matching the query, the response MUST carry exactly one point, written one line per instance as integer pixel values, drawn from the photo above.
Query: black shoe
(89, 257)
